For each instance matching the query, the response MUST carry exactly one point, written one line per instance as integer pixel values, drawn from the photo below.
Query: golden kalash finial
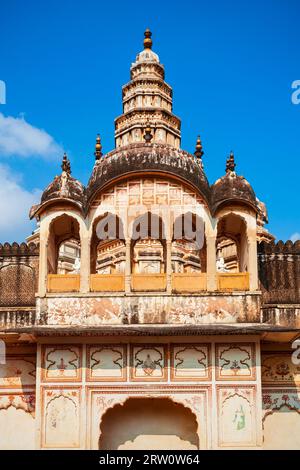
(147, 40)
(230, 163)
(98, 148)
(148, 134)
(65, 164)
(199, 151)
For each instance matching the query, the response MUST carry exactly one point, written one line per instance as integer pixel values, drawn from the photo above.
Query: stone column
(85, 264)
(128, 266)
(169, 265)
(43, 271)
(211, 270)
(252, 263)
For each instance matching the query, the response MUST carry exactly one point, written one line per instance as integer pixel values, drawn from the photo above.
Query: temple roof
(63, 187)
(232, 188)
(147, 158)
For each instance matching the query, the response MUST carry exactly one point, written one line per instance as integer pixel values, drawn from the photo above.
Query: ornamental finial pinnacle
(98, 148)
(147, 40)
(65, 164)
(199, 150)
(230, 163)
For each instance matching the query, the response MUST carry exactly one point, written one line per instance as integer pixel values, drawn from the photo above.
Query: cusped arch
(156, 422)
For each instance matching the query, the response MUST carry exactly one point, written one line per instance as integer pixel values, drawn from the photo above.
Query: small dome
(64, 187)
(232, 188)
(147, 55)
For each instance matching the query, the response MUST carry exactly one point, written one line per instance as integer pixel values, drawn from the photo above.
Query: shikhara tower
(147, 101)
(147, 339)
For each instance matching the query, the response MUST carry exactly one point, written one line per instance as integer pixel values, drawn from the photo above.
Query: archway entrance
(149, 423)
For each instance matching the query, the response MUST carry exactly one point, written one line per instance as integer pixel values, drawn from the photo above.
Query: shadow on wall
(149, 423)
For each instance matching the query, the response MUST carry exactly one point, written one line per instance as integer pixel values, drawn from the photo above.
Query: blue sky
(230, 63)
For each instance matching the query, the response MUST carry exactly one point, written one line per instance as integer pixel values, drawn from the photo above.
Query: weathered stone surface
(159, 309)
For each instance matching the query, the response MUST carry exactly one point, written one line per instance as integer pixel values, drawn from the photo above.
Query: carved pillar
(211, 262)
(253, 263)
(85, 264)
(169, 265)
(43, 271)
(128, 265)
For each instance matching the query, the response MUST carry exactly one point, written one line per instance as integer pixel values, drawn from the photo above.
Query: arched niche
(148, 245)
(63, 248)
(188, 244)
(149, 423)
(232, 244)
(107, 245)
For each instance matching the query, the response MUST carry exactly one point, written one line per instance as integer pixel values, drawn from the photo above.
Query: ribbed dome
(232, 188)
(148, 159)
(63, 187)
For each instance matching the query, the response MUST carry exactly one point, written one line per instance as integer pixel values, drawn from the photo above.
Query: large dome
(146, 158)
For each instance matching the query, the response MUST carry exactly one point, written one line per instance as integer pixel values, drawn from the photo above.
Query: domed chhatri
(63, 187)
(232, 188)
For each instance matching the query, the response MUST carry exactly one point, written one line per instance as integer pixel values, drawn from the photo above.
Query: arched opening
(148, 253)
(232, 253)
(277, 429)
(63, 255)
(188, 254)
(149, 423)
(108, 254)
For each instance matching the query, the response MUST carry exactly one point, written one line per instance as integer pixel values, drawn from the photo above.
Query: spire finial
(230, 163)
(65, 164)
(147, 40)
(198, 151)
(148, 134)
(98, 148)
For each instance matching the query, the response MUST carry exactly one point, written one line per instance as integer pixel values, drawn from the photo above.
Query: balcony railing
(233, 281)
(188, 282)
(148, 282)
(107, 282)
(63, 282)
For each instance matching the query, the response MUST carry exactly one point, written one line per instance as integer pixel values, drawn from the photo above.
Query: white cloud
(15, 202)
(19, 138)
(295, 236)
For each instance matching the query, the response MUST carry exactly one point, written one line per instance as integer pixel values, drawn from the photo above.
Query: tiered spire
(147, 98)
(230, 163)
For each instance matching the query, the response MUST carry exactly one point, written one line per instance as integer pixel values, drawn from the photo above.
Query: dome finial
(98, 148)
(230, 163)
(199, 150)
(65, 164)
(147, 40)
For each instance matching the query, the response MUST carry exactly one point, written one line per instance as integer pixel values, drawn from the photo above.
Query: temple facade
(150, 309)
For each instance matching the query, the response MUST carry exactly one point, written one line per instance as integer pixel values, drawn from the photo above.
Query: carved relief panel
(148, 362)
(107, 362)
(61, 363)
(190, 362)
(235, 361)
